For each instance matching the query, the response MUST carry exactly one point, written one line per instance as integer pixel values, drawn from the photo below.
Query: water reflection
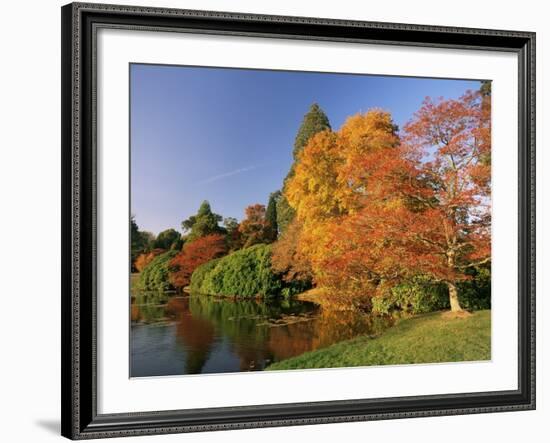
(173, 335)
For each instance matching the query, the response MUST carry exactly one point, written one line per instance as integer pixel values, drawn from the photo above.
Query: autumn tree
(194, 254)
(255, 228)
(330, 186)
(145, 258)
(288, 259)
(312, 191)
(453, 140)
(422, 207)
(314, 121)
(205, 222)
(234, 240)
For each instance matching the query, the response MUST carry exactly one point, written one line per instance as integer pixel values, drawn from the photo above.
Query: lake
(175, 335)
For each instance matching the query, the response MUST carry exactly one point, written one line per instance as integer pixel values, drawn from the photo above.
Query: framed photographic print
(273, 221)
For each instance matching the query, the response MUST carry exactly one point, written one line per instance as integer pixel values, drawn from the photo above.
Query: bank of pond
(173, 334)
(436, 337)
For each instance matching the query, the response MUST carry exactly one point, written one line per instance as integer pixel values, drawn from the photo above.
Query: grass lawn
(427, 338)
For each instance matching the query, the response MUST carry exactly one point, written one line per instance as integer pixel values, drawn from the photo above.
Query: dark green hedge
(475, 294)
(155, 275)
(244, 273)
(200, 274)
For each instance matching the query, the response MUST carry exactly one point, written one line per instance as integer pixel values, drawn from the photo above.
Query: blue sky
(226, 135)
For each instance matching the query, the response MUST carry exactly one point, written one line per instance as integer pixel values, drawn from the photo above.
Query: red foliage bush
(193, 255)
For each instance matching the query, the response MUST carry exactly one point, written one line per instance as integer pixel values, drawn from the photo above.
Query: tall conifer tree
(314, 121)
(271, 213)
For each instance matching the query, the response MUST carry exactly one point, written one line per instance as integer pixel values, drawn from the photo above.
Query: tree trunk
(453, 297)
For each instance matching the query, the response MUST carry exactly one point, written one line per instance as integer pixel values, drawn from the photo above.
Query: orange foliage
(375, 212)
(147, 257)
(287, 258)
(328, 186)
(255, 228)
(327, 180)
(194, 254)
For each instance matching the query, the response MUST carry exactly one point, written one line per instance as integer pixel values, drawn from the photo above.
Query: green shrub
(415, 297)
(424, 296)
(295, 287)
(200, 274)
(244, 273)
(154, 276)
(475, 294)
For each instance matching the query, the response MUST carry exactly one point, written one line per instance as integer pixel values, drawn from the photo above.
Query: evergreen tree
(231, 225)
(271, 213)
(314, 121)
(285, 214)
(140, 241)
(136, 243)
(205, 222)
(167, 238)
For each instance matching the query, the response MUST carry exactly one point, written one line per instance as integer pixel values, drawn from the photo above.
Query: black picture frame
(79, 171)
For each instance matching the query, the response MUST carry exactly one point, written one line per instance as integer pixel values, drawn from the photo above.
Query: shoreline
(425, 338)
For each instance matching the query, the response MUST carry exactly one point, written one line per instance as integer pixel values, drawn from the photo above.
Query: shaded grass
(428, 338)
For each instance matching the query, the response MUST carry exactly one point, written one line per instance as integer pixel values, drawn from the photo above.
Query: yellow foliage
(311, 190)
(330, 180)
